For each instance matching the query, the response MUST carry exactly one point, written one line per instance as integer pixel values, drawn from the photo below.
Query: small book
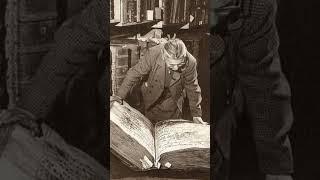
(171, 144)
(150, 15)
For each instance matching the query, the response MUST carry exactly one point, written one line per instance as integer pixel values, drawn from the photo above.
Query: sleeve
(265, 88)
(141, 69)
(193, 89)
(77, 43)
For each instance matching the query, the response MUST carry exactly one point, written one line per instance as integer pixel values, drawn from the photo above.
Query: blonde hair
(175, 48)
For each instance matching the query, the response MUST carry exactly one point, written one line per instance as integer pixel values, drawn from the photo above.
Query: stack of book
(124, 54)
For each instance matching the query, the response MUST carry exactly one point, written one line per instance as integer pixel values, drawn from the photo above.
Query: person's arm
(141, 69)
(192, 88)
(77, 42)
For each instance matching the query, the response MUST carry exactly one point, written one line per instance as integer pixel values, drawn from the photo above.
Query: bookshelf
(130, 29)
(131, 17)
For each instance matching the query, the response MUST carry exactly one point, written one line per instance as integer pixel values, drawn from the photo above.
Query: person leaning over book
(171, 73)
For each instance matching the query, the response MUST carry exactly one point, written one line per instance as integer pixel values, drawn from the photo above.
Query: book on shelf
(170, 144)
(119, 65)
(179, 11)
(176, 11)
(131, 11)
(170, 11)
(112, 10)
(143, 11)
(124, 54)
(133, 46)
(199, 11)
(115, 8)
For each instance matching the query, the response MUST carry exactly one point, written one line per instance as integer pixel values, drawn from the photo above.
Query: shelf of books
(140, 16)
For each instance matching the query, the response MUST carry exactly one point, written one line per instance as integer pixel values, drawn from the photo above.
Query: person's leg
(273, 144)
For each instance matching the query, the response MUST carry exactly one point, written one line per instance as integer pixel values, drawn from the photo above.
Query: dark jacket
(77, 43)
(4, 99)
(63, 91)
(153, 66)
(248, 81)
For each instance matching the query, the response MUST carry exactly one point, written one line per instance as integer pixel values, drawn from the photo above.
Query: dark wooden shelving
(136, 23)
(171, 28)
(131, 29)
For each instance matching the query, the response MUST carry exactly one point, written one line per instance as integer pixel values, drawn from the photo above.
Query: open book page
(131, 135)
(181, 135)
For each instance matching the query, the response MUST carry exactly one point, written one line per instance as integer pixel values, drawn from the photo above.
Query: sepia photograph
(160, 89)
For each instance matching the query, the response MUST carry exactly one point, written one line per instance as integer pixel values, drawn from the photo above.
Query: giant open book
(175, 144)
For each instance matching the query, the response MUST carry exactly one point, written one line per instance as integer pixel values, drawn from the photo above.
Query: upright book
(175, 144)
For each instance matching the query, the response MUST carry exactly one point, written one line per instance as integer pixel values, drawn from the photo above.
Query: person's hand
(158, 41)
(22, 117)
(199, 120)
(116, 98)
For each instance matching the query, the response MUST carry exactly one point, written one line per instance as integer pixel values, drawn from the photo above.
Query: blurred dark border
(300, 57)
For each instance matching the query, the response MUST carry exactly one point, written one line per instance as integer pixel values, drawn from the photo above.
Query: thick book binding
(170, 144)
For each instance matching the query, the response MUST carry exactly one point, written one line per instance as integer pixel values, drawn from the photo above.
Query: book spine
(181, 14)
(171, 11)
(113, 53)
(119, 65)
(206, 19)
(143, 10)
(129, 11)
(111, 9)
(194, 14)
(175, 13)
(188, 5)
(148, 4)
(185, 11)
(160, 4)
(132, 11)
(124, 4)
(121, 12)
(117, 10)
(157, 13)
(203, 16)
(152, 5)
(138, 10)
(178, 11)
(166, 15)
(135, 11)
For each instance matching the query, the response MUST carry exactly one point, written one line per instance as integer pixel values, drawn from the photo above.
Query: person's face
(175, 64)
